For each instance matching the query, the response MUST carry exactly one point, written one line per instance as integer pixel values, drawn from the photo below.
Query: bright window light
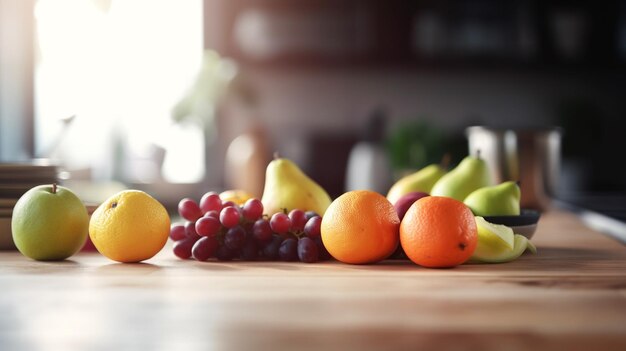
(118, 66)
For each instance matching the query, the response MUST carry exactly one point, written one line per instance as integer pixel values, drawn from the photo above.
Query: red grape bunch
(225, 231)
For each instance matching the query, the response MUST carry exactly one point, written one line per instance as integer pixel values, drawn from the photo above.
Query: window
(108, 73)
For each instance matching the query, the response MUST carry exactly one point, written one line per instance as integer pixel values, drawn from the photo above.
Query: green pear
(288, 188)
(420, 181)
(497, 243)
(471, 174)
(496, 200)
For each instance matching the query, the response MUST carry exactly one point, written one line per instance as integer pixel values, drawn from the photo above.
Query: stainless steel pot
(530, 156)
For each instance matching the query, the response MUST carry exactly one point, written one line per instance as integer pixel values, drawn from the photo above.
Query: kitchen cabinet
(570, 296)
(420, 34)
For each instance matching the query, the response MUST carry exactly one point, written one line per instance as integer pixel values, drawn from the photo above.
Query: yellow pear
(287, 187)
(421, 181)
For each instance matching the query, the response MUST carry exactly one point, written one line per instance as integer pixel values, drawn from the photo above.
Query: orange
(438, 232)
(130, 226)
(360, 227)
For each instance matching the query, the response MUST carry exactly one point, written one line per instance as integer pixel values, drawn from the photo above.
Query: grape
(324, 255)
(298, 220)
(229, 217)
(204, 248)
(182, 248)
(280, 223)
(312, 227)
(262, 231)
(270, 251)
(248, 234)
(307, 250)
(229, 204)
(310, 214)
(177, 232)
(247, 227)
(210, 202)
(250, 251)
(213, 213)
(207, 226)
(190, 230)
(189, 209)
(288, 250)
(223, 253)
(235, 238)
(253, 209)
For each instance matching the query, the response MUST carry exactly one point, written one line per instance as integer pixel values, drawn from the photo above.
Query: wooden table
(570, 296)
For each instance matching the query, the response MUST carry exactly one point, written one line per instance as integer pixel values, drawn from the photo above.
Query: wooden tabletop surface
(570, 296)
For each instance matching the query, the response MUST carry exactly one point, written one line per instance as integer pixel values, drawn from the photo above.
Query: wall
(296, 102)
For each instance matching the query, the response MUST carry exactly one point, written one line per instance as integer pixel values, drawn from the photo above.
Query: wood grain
(570, 296)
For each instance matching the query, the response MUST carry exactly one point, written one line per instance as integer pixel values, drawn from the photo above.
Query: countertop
(570, 296)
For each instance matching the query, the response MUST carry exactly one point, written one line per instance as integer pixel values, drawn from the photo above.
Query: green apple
(497, 200)
(498, 244)
(471, 174)
(49, 223)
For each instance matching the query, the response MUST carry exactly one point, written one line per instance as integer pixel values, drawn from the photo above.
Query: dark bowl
(524, 224)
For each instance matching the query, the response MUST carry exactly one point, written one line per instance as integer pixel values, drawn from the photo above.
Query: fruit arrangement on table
(432, 217)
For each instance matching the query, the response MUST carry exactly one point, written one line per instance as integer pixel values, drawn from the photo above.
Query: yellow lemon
(130, 226)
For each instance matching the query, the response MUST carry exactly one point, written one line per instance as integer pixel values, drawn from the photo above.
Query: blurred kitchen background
(179, 97)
